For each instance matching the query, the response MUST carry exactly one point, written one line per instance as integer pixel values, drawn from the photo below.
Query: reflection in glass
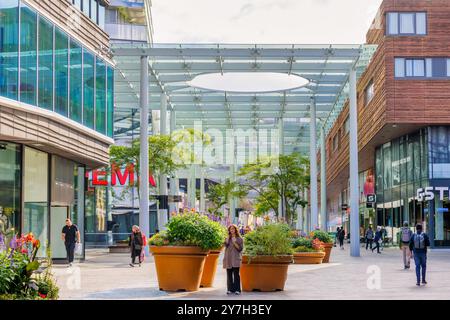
(100, 96)
(28, 55)
(45, 73)
(88, 87)
(61, 72)
(110, 102)
(10, 182)
(76, 82)
(9, 29)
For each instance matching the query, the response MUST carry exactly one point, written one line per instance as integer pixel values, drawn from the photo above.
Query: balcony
(126, 32)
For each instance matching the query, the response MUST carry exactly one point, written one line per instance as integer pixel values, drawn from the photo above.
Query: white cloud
(262, 21)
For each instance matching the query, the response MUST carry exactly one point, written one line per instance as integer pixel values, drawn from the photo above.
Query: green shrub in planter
(192, 229)
(304, 249)
(302, 242)
(322, 236)
(269, 240)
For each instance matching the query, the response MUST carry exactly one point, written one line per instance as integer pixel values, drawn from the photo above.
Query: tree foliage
(286, 181)
(220, 194)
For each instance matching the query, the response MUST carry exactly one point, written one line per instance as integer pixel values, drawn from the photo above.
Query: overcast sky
(263, 21)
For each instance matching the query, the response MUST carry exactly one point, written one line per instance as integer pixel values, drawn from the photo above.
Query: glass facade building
(403, 166)
(56, 72)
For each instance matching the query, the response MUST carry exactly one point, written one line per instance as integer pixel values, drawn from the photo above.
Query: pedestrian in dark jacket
(378, 239)
(369, 238)
(341, 237)
(418, 245)
(136, 245)
(232, 259)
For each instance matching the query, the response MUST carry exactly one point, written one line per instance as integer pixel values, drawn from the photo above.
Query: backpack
(406, 235)
(419, 241)
(370, 234)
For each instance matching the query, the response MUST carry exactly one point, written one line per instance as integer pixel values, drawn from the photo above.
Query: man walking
(405, 238)
(418, 245)
(369, 238)
(70, 236)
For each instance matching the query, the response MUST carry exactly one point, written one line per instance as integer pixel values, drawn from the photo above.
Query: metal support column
(281, 204)
(174, 187)
(202, 190)
(354, 188)
(144, 217)
(163, 215)
(323, 182)
(313, 167)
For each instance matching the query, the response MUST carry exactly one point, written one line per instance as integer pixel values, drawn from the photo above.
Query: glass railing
(126, 32)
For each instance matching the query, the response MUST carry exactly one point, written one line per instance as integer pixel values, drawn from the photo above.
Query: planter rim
(178, 250)
(315, 253)
(264, 259)
(326, 244)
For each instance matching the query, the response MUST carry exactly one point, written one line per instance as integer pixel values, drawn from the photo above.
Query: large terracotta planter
(264, 273)
(328, 247)
(209, 270)
(309, 257)
(179, 268)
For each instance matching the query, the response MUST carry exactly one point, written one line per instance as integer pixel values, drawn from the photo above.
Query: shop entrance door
(58, 216)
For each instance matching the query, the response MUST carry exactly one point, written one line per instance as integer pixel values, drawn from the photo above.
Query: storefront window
(35, 194)
(10, 182)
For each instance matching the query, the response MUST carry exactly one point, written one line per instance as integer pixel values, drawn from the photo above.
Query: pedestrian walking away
(136, 244)
(369, 237)
(418, 245)
(405, 238)
(337, 236)
(232, 259)
(378, 239)
(341, 237)
(70, 235)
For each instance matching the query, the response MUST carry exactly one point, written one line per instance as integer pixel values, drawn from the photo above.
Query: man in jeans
(418, 245)
(369, 238)
(70, 236)
(405, 238)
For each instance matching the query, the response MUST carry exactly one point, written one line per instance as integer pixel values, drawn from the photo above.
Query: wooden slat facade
(399, 106)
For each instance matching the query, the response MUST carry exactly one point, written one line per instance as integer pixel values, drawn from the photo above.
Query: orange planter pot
(179, 268)
(264, 273)
(209, 270)
(328, 247)
(309, 257)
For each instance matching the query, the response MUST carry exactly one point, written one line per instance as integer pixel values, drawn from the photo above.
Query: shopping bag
(79, 249)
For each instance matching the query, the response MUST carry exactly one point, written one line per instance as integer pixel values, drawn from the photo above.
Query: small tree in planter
(180, 251)
(327, 242)
(267, 255)
(308, 251)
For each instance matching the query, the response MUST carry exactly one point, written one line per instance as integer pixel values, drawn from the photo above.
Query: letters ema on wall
(427, 194)
(118, 176)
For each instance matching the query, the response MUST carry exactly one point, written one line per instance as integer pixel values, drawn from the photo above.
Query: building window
(406, 23)
(421, 68)
(61, 72)
(100, 96)
(88, 85)
(347, 125)
(76, 82)
(335, 142)
(28, 55)
(45, 71)
(369, 92)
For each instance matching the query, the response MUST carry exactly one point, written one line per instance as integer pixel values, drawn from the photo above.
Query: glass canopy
(172, 66)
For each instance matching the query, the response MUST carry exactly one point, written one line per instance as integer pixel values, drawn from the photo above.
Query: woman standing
(136, 244)
(232, 259)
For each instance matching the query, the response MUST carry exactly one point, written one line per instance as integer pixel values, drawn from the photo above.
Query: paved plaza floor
(372, 276)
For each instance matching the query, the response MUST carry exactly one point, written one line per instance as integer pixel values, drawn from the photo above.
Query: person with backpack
(405, 238)
(369, 238)
(378, 239)
(418, 245)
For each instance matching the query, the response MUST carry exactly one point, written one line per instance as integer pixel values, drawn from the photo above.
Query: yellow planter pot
(309, 257)
(179, 268)
(210, 268)
(264, 273)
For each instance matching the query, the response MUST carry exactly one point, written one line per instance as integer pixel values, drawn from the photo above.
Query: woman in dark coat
(136, 244)
(232, 259)
(341, 237)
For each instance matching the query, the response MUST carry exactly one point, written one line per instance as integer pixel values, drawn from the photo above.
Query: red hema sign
(118, 176)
